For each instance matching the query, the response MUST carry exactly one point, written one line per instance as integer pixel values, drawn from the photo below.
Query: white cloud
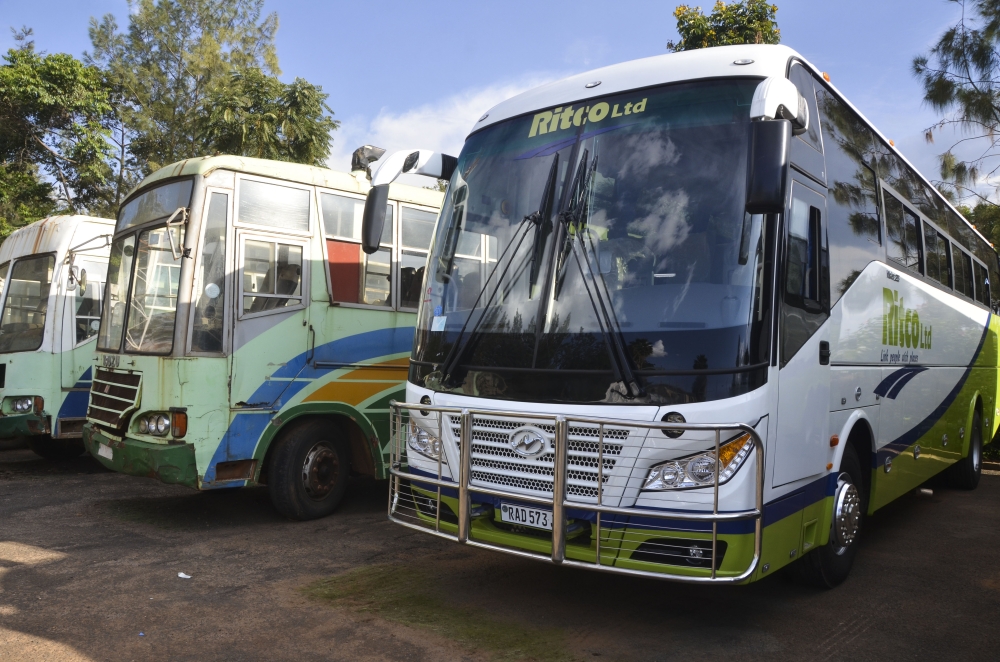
(440, 125)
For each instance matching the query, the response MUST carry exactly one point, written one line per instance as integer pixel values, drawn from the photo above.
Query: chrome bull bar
(399, 472)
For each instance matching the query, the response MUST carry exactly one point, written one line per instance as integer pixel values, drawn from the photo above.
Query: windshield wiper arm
(536, 218)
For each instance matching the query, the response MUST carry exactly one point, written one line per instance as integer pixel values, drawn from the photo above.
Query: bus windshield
(615, 244)
(23, 323)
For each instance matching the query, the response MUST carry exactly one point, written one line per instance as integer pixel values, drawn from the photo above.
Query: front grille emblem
(529, 441)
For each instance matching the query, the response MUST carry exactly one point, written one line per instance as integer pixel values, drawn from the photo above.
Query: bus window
(153, 303)
(272, 276)
(208, 311)
(902, 230)
(3, 275)
(354, 276)
(274, 206)
(23, 322)
(982, 285)
(119, 272)
(416, 228)
(806, 289)
(803, 80)
(936, 247)
(376, 280)
(963, 271)
(88, 311)
(342, 216)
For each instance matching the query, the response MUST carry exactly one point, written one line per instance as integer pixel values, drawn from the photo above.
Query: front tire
(829, 565)
(56, 449)
(965, 473)
(309, 471)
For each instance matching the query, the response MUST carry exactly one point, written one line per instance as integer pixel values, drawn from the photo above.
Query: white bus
(720, 321)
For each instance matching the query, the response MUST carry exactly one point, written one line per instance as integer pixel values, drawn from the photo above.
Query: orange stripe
(352, 393)
(381, 374)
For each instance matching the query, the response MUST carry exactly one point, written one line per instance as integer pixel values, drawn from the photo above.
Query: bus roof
(757, 60)
(49, 235)
(292, 172)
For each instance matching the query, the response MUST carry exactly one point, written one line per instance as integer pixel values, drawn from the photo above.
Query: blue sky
(418, 74)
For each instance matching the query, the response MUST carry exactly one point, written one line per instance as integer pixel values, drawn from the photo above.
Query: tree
(53, 143)
(746, 22)
(961, 79)
(164, 68)
(258, 115)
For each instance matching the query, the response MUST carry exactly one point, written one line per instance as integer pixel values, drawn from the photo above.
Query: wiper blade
(536, 218)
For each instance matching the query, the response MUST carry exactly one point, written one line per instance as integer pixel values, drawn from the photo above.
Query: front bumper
(24, 425)
(169, 463)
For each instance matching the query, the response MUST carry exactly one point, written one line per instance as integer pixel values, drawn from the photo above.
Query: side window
(803, 80)
(806, 290)
(272, 276)
(207, 331)
(936, 249)
(903, 234)
(982, 285)
(23, 321)
(354, 276)
(274, 206)
(3, 277)
(963, 271)
(88, 311)
(416, 227)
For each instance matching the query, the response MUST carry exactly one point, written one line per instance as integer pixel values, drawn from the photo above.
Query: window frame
(288, 240)
(237, 194)
(196, 284)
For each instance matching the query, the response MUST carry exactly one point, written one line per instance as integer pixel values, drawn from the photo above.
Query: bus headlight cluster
(156, 423)
(699, 470)
(23, 405)
(423, 441)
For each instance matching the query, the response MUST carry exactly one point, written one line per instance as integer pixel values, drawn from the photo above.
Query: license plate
(525, 516)
(104, 451)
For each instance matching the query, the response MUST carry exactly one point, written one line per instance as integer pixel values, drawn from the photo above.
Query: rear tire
(829, 565)
(965, 473)
(309, 471)
(56, 449)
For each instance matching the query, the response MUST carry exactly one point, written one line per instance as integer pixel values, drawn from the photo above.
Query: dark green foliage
(257, 115)
(52, 139)
(746, 22)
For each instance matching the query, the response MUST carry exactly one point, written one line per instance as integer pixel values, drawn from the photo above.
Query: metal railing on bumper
(417, 500)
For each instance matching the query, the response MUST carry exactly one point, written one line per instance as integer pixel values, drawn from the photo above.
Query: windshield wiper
(536, 218)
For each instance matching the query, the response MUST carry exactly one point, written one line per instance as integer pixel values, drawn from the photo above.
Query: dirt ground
(89, 564)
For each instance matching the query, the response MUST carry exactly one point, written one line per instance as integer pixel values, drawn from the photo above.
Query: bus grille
(494, 463)
(114, 396)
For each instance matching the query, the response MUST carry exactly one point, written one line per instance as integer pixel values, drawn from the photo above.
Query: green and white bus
(51, 274)
(245, 338)
(723, 321)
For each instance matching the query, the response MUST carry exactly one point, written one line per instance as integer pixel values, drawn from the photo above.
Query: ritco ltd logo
(529, 441)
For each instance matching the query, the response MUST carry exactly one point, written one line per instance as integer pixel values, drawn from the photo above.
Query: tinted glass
(23, 323)
(158, 202)
(806, 288)
(936, 252)
(274, 206)
(342, 216)
(210, 300)
(903, 234)
(963, 271)
(804, 82)
(982, 284)
(119, 273)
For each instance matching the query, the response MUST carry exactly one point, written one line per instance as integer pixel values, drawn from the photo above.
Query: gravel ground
(89, 564)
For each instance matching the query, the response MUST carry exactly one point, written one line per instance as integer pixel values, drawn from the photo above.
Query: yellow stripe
(359, 385)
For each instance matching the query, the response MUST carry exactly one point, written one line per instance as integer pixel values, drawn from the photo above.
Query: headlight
(155, 423)
(699, 470)
(22, 405)
(162, 424)
(423, 442)
(144, 425)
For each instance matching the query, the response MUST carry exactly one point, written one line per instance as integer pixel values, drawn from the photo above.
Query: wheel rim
(319, 471)
(846, 513)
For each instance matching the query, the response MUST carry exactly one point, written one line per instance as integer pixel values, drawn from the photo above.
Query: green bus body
(335, 347)
(51, 274)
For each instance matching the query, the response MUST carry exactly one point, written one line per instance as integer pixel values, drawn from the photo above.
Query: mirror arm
(170, 222)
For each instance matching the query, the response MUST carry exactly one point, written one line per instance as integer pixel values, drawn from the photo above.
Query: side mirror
(83, 281)
(778, 98)
(374, 218)
(767, 161)
(410, 162)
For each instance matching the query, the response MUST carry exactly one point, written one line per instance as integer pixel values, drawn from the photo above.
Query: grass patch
(410, 596)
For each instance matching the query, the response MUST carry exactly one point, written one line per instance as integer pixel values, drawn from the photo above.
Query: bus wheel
(309, 471)
(56, 449)
(965, 473)
(829, 565)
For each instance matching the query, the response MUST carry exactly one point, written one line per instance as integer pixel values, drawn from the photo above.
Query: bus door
(802, 442)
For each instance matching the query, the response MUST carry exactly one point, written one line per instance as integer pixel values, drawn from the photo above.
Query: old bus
(51, 273)
(245, 338)
(720, 321)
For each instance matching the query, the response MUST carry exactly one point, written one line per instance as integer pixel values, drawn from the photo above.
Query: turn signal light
(834, 440)
(178, 422)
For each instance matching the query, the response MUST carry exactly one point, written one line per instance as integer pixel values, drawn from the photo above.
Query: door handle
(824, 352)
